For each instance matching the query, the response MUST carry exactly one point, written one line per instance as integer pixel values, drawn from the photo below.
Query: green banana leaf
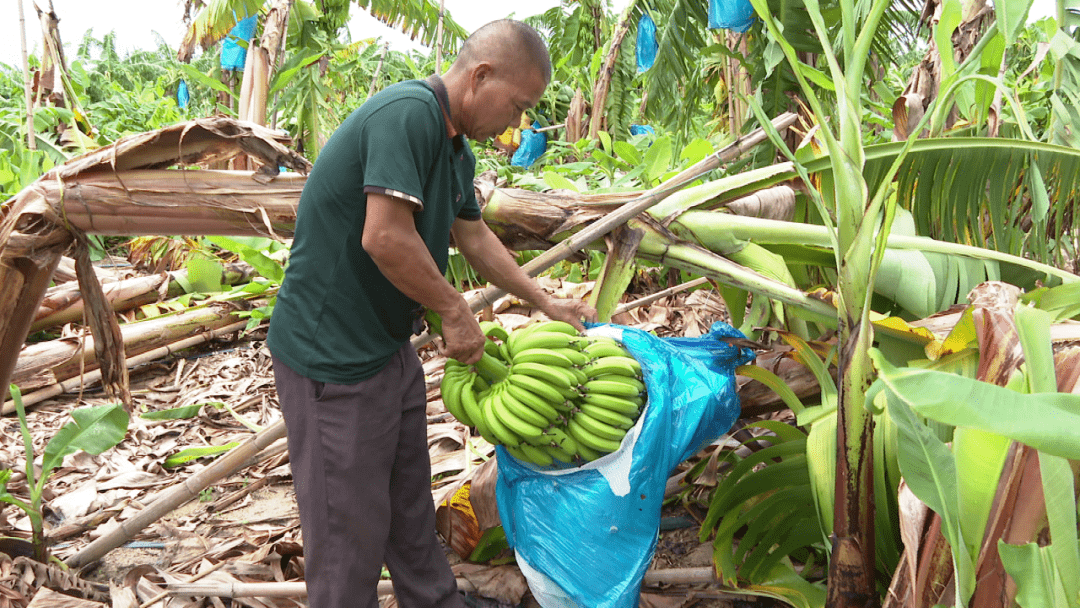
(960, 401)
(1032, 567)
(92, 429)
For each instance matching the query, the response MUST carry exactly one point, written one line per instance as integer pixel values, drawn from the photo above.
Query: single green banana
(557, 436)
(539, 387)
(517, 452)
(626, 406)
(543, 356)
(586, 453)
(536, 455)
(549, 374)
(493, 330)
(607, 416)
(611, 385)
(598, 428)
(622, 366)
(493, 417)
(454, 364)
(580, 377)
(599, 350)
(504, 352)
(471, 404)
(558, 453)
(588, 439)
(557, 326)
(450, 388)
(523, 411)
(576, 357)
(491, 348)
(541, 339)
(534, 401)
(481, 422)
(512, 421)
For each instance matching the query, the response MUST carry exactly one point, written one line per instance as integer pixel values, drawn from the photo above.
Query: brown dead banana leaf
(26, 576)
(109, 342)
(503, 583)
(47, 598)
(468, 508)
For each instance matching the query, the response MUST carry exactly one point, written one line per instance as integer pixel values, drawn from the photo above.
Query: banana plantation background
(880, 193)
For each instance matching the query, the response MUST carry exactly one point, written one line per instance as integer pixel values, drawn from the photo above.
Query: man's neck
(455, 87)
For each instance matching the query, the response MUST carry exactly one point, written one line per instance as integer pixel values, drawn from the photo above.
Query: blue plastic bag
(734, 15)
(642, 130)
(533, 145)
(233, 55)
(584, 536)
(182, 95)
(646, 43)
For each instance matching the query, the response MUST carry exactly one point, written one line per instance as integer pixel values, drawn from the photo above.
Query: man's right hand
(463, 339)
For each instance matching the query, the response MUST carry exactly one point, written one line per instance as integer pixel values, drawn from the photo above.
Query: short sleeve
(398, 146)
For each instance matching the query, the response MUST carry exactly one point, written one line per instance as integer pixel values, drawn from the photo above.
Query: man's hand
(570, 310)
(462, 337)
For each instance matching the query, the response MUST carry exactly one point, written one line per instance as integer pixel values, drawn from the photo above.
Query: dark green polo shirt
(337, 318)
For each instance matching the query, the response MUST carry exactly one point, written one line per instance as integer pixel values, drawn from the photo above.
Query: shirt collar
(443, 98)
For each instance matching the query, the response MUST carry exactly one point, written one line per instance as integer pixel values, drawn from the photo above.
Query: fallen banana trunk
(64, 303)
(118, 189)
(48, 363)
(89, 378)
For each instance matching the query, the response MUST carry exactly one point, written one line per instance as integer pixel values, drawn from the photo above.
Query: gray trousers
(362, 475)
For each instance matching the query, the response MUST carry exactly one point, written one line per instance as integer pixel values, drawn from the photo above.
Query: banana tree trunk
(46, 363)
(607, 69)
(64, 303)
(110, 191)
(617, 272)
(28, 97)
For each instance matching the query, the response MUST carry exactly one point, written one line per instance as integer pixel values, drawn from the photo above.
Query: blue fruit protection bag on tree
(734, 15)
(647, 46)
(233, 56)
(584, 536)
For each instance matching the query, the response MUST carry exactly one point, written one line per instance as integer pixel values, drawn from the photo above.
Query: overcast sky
(136, 21)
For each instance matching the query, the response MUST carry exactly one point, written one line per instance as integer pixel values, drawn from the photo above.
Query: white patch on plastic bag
(547, 592)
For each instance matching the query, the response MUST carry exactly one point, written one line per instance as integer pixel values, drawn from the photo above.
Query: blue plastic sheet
(182, 95)
(734, 15)
(533, 145)
(642, 130)
(584, 536)
(233, 55)
(646, 43)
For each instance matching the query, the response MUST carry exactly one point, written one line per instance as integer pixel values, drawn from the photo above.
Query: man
(372, 233)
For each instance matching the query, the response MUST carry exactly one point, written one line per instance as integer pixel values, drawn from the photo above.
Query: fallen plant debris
(243, 529)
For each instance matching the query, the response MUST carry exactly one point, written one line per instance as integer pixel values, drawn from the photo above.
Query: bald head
(505, 44)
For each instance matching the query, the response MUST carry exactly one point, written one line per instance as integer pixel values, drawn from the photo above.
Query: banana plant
(92, 429)
(959, 483)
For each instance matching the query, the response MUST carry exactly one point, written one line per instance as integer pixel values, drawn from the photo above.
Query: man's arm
(489, 257)
(390, 238)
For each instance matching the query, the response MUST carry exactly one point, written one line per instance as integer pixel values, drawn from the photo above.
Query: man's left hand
(572, 311)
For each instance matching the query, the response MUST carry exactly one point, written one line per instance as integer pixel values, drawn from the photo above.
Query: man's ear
(480, 72)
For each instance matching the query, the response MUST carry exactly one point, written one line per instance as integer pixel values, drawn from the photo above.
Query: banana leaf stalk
(635, 206)
(617, 272)
(859, 220)
(715, 229)
(659, 245)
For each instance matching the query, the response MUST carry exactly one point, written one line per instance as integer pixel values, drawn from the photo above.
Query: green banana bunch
(547, 394)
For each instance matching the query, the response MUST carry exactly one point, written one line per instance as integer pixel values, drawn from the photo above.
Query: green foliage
(92, 429)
